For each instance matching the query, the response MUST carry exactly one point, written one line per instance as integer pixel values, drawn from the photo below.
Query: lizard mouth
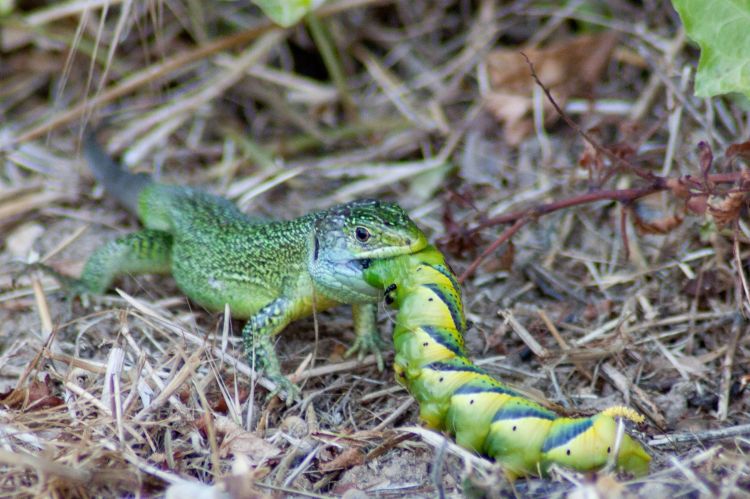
(407, 246)
(358, 265)
(364, 263)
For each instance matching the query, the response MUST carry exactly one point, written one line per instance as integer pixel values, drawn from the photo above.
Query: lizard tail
(120, 183)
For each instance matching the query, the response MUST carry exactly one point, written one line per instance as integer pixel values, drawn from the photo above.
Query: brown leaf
(242, 483)
(21, 240)
(706, 157)
(741, 150)
(697, 204)
(726, 209)
(501, 260)
(295, 426)
(568, 68)
(184, 394)
(202, 423)
(218, 401)
(347, 459)
(708, 283)
(512, 111)
(591, 159)
(598, 309)
(248, 444)
(603, 486)
(649, 218)
(678, 188)
(35, 396)
(238, 442)
(338, 353)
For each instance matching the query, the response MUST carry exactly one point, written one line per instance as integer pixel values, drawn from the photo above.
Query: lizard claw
(368, 343)
(262, 357)
(283, 385)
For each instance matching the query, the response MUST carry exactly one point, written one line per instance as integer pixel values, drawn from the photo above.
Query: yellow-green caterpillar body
(456, 396)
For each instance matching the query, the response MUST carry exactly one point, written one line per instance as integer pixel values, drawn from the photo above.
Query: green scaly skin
(268, 273)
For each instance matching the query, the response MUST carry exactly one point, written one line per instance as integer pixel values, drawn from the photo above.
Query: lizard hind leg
(144, 252)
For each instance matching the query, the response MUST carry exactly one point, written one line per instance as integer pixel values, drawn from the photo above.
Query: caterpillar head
(348, 236)
(632, 457)
(587, 443)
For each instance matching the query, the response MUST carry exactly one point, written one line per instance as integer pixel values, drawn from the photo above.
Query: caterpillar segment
(482, 413)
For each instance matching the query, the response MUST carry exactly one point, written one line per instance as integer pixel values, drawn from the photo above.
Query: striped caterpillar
(458, 397)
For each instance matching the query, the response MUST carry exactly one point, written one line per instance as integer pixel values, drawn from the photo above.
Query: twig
(626, 196)
(645, 174)
(394, 415)
(701, 436)
(726, 368)
(622, 195)
(505, 236)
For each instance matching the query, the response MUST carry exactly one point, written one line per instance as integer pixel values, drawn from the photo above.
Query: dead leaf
(568, 68)
(502, 260)
(458, 239)
(218, 401)
(197, 490)
(246, 443)
(21, 240)
(238, 442)
(604, 486)
(598, 309)
(338, 354)
(590, 158)
(347, 459)
(678, 188)
(650, 218)
(741, 150)
(241, 482)
(295, 426)
(707, 284)
(697, 204)
(706, 156)
(726, 209)
(35, 396)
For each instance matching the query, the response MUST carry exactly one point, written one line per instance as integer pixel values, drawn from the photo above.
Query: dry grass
(139, 394)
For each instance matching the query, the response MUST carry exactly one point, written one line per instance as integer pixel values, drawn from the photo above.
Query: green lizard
(270, 273)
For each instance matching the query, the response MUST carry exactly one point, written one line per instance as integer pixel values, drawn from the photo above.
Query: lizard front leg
(368, 337)
(257, 336)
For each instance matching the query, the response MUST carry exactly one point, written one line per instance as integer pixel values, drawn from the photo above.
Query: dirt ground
(616, 289)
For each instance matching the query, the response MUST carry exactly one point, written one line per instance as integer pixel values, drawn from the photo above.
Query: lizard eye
(362, 234)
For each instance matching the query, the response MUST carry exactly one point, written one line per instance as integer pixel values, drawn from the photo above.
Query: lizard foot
(71, 287)
(265, 361)
(283, 385)
(366, 344)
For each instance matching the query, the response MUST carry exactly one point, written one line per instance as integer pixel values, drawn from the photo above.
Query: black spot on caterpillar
(482, 413)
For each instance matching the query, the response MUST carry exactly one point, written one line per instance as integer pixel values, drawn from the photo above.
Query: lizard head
(348, 236)
(367, 229)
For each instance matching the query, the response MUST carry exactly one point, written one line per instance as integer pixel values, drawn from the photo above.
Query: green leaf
(722, 30)
(6, 7)
(287, 12)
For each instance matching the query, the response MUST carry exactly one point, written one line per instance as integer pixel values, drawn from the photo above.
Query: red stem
(506, 235)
